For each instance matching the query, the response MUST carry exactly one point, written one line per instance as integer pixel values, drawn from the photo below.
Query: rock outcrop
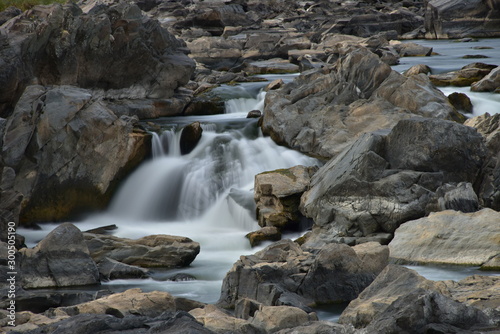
(383, 180)
(448, 19)
(325, 110)
(449, 237)
(64, 152)
(62, 45)
(61, 259)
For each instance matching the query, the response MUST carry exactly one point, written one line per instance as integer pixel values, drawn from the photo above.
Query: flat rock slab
(450, 237)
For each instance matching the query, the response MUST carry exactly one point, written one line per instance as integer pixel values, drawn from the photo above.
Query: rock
(433, 145)
(61, 259)
(271, 233)
(449, 19)
(458, 197)
(56, 52)
(9, 13)
(383, 180)
(110, 269)
(168, 322)
(489, 127)
(272, 66)
(275, 318)
(129, 302)
(417, 69)
(284, 274)
(217, 320)
(181, 277)
(490, 83)
(466, 76)
(275, 84)
(322, 111)
(492, 264)
(479, 291)
(151, 251)
(393, 283)
(277, 196)
(190, 136)
(461, 102)
(216, 53)
(61, 170)
(317, 327)
(445, 237)
(409, 49)
(254, 114)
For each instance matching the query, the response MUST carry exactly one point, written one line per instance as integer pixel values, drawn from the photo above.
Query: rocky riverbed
(405, 176)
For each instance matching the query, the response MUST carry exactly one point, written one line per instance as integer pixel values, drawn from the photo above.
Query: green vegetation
(26, 4)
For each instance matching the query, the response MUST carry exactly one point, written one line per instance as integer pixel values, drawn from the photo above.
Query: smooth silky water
(207, 195)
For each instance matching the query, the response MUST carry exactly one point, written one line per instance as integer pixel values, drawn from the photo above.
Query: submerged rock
(190, 136)
(449, 237)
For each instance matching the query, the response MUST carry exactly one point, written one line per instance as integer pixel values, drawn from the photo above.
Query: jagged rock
(216, 53)
(284, 274)
(317, 327)
(479, 291)
(110, 269)
(277, 195)
(61, 45)
(60, 167)
(400, 300)
(448, 19)
(489, 190)
(490, 83)
(254, 114)
(190, 136)
(150, 251)
(384, 180)
(9, 13)
(272, 66)
(466, 76)
(461, 102)
(60, 259)
(445, 237)
(322, 111)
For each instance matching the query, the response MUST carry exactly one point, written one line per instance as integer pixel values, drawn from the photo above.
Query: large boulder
(400, 300)
(466, 76)
(61, 45)
(383, 180)
(65, 152)
(448, 19)
(164, 251)
(490, 83)
(445, 237)
(285, 274)
(61, 259)
(322, 111)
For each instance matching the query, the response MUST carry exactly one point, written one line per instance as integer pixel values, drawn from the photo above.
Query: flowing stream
(207, 195)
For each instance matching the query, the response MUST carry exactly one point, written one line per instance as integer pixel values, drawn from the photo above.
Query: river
(207, 195)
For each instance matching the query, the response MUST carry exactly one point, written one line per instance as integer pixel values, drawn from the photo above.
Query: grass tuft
(26, 4)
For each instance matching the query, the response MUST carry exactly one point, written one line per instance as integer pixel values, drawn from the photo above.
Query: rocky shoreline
(407, 178)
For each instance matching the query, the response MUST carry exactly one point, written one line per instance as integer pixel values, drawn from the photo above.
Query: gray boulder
(61, 45)
(65, 152)
(322, 111)
(285, 274)
(383, 180)
(400, 300)
(448, 19)
(110, 269)
(445, 237)
(61, 259)
(490, 83)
